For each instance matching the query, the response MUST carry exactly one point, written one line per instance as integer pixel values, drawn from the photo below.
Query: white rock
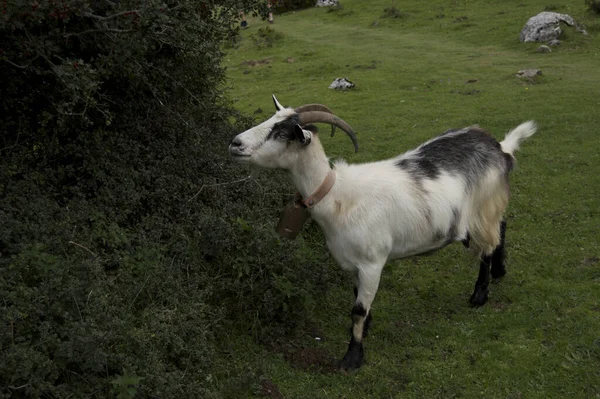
(326, 3)
(545, 26)
(529, 73)
(341, 84)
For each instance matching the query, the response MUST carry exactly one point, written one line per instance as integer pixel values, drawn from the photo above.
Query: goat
(453, 187)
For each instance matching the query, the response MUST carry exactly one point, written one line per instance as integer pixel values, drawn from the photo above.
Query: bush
(123, 255)
(392, 12)
(281, 6)
(593, 5)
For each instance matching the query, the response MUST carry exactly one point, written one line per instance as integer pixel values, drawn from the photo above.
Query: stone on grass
(341, 84)
(326, 3)
(545, 26)
(544, 49)
(529, 73)
(554, 42)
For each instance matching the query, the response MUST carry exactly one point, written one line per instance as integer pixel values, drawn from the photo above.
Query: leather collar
(321, 192)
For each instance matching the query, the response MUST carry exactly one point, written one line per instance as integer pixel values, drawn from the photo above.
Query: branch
(81, 246)
(13, 64)
(138, 293)
(20, 387)
(89, 14)
(96, 31)
(219, 184)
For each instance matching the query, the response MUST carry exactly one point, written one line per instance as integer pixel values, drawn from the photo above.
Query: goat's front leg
(367, 284)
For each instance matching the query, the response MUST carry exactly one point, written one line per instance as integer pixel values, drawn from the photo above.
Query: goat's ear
(278, 106)
(303, 136)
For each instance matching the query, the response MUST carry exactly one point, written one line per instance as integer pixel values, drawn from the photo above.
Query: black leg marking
(367, 322)
(366, 284)
(480, 295)
(467, 240)
(353, 358)
(498, 268)
(358, 310)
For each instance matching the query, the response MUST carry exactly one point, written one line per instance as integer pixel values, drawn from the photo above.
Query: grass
(539, 336)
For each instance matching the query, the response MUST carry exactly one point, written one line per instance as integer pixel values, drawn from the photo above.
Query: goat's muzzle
(236, 148)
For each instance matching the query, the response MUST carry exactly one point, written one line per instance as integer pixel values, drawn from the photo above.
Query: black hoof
(353, 359)
(479, 297)
(497, 274)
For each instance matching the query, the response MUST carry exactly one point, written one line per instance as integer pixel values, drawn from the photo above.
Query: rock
(554, 42)
(545, 27)
(544, 49)
(290, 60)
(326, 3)
(529, 73)
(341, 84)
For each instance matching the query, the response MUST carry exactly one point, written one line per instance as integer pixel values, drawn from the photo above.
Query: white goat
(451, 188)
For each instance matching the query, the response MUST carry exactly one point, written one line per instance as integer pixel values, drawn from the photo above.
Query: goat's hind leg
(368, 282)
(492, 251)
(487, 231)
(480, 294)
(498, 269)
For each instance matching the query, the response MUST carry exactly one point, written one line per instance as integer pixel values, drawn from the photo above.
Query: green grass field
(539, 335)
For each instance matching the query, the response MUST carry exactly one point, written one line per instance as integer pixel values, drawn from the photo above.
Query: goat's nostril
(236, 142)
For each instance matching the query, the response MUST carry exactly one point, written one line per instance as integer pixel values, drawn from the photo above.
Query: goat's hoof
(497, 274)
(352, 360)
(479, 297)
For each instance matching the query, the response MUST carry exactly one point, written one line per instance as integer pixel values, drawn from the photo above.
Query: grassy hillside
(539, 335)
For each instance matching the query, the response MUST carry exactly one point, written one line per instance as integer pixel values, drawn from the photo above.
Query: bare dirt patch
(268, 389)
(314, 359)
(253, 63)
(302, 351)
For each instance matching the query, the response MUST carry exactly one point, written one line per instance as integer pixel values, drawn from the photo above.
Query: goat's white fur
(377, 212)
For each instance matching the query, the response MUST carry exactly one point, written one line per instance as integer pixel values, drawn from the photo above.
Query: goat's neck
(310, 169)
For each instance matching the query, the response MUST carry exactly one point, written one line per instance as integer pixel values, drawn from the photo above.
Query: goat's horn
(313, 107)
(316, 107)
(324, 117)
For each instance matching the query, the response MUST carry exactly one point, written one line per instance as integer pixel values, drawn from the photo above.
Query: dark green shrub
(593, 5)
(392, 12)
(122, 254)
(281, 6)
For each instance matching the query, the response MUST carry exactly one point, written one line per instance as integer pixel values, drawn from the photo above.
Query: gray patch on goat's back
(469, 152)
(419, 168)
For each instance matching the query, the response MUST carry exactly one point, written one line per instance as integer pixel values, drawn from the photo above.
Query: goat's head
(278, 140)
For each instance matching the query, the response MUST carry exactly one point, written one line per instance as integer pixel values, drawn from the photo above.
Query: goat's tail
(511, 142)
